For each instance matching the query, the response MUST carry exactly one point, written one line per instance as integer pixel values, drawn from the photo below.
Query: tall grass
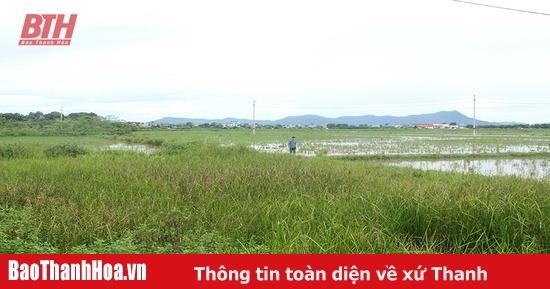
(200, 197)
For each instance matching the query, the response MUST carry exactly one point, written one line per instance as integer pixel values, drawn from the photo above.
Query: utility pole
(474, 115)
(61, 116)
(254, 117)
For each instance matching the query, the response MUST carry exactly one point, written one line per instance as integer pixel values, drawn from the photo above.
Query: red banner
(271, 271)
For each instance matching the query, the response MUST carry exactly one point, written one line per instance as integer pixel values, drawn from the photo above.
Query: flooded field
(138, 148)
(436, 145)
(411, 145)
(527, 168)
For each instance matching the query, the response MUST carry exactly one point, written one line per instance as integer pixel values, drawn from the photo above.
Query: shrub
(65, 149)
(14, 150)
(154, 142)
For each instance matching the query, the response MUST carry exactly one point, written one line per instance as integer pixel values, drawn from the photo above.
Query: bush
(14, 150)
(154, 142)
(65, 149)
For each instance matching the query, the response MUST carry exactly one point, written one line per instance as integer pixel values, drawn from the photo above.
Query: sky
(145, 60)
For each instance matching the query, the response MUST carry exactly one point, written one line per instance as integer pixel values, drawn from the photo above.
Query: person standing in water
(292, 145)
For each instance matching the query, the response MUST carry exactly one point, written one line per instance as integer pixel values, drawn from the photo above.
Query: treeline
(55, 123)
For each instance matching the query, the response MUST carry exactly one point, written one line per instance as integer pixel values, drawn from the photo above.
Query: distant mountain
(302, 119)
(438, 117)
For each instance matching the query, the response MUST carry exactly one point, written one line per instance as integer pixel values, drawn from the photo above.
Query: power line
(540, 13)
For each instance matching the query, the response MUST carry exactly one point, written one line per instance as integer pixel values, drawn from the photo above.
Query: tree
(76, 115)
(112, 118)
(35, 115)
(13, 116)
(53, 115)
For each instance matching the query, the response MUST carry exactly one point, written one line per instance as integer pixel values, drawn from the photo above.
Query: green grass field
(206, 191)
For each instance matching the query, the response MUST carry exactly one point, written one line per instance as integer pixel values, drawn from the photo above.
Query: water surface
(527, 168)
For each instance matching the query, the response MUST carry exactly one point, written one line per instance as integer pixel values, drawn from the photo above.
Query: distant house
(147, 124)
(424, 125)
(434, 125)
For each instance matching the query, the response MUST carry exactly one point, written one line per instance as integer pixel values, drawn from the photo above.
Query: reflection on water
(528, 168)
(138, 148)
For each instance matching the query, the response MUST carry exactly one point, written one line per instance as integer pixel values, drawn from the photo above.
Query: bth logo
(37, 29)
